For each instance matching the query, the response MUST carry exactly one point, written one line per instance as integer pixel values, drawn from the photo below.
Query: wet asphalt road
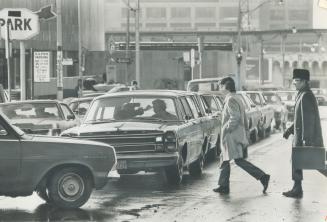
(146, 197)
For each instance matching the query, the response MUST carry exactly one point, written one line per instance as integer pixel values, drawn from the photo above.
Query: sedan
(62, 171)
(151, 130)
(45, 117)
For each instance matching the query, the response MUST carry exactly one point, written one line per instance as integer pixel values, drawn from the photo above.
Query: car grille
(130, 143)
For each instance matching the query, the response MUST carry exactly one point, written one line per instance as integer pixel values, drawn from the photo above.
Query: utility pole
(261, 78)
(239, 52)
(283, 38)
(22, 71)
(80, 62)
(127, 40)
(8, 55)
(137, 43)
(60, 85)
(200, 50)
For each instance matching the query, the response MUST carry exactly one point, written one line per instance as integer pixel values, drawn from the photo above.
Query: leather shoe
(295, 193)
(265, 182)
(221, 190)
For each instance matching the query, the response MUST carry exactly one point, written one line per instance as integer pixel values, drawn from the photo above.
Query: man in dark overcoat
(306, 127)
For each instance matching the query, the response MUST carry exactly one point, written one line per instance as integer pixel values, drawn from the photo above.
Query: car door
(192, 130)
(214, 117)
(198, 128)
(10, 157)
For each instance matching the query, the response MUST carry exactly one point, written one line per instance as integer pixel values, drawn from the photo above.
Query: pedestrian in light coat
(234, 139)
(306, 127)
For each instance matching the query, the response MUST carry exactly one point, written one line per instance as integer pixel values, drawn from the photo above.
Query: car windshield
(272, 98)
(31, 111)
(132, 108)
(80, 107)
(287, 96)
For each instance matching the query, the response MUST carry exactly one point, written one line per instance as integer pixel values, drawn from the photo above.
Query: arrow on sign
(46, 13)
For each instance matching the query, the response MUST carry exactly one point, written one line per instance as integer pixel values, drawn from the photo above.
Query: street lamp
(239, 29)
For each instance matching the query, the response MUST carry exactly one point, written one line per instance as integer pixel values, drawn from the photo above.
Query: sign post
(18, 24)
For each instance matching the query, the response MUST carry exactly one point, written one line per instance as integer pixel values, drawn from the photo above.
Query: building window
(205, 25)
(131, 13)
(277, 15)
(225, 13)
(181, 12)
(298, 15)
(180, 25)
(156, 13)
(205, 12)
(156, 25)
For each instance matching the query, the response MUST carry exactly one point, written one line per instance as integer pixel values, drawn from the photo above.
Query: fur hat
(301, 74)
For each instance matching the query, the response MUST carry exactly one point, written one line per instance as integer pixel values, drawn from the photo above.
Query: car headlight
(159, 143)
(159, 139)
(170, 141)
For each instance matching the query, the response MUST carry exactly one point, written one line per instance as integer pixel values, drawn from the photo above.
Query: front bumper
(147, 161)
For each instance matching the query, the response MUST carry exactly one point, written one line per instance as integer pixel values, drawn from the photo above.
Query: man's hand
(286, 134)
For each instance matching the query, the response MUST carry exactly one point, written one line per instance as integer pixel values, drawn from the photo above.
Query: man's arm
(234, 111)
(308, 118)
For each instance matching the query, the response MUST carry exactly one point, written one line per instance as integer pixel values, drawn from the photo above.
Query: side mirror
(187, 117)
(70, 117)
(3, 132)
(208, 111)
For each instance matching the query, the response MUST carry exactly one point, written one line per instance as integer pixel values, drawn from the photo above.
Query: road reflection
(46, 212)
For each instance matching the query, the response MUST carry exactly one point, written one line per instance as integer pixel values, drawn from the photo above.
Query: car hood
(62, 140)
(36, 123)
(87, 129)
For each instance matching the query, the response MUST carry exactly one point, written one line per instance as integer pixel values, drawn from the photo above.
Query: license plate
(121, 164)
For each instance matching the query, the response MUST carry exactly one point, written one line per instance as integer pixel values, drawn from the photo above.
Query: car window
(66, 110)
(272, 98)
(211, 103)
(187, 108)
(195, 110)
(31, 111)
(255, 97)
(132, 108)
(246, 101)
(180, 110)
(80, 107)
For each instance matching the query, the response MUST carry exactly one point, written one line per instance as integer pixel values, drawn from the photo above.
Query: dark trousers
(297, 175)
(245, 165)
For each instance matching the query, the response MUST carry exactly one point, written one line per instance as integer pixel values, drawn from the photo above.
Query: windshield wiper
(98, 121)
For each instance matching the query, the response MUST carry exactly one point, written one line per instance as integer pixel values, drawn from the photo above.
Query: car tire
(196, 168)
(261, 132)
(174, 174)
(43, 194)
(70, 188)
(253, 136)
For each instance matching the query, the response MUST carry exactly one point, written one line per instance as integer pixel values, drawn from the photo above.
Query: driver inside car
(159, 108)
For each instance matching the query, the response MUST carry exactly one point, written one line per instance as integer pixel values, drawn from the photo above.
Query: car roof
(159, 93)
(32, 101)
(81, 99)
(205, 79)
